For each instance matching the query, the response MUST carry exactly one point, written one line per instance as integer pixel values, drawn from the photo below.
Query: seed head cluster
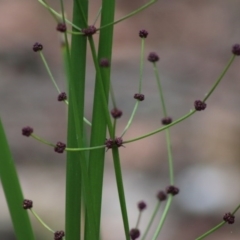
(117, 142)
(142, 205)
(37, 47)
(139, 96)
(27, 204)
(134, 233)
(116, 113)
(61, 27)
(161, 196)
(153, 57)
(166, 121)
(236, 49)
(27, 131)
(62, 97)
(172, 190)
(229, 218)
(89, 31)
(60, 147)
(143, 33)
(200, 105)
(58, 235)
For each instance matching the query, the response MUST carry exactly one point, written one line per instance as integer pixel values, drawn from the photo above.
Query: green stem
(151, 220)
(100, 115)
(58, 14)
(42, 140)
(139, 87)
(41, 221)
(121, 194)
(129, 15)
(101, 87)
(163, 218)
(131, 118)
(98, 14)
(169, 148)
(160, 90)
(220, 77)
(162, 128)
(216, 227)
(49, 71)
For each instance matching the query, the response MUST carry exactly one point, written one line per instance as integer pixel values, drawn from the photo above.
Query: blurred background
(193, 40)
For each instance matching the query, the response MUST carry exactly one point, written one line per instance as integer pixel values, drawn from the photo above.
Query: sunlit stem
(58, 14)
(41, 221)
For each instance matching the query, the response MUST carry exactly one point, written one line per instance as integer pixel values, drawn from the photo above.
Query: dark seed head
(229, 218)
(143, 33)
(116, 113)
(27, 131)
(236, 49)
(134, 233)
(61, 27)
(58, 235)
(162, 196)
(118, 142)
(142, 205)
(104, 62)
(172, 190)
(89, 31)
(153, 57)
(109, 143)
(199, 105)
(62, 97)
(27, 204)
(139, 96)
(166, 120)
(60, 147)
(37, 47)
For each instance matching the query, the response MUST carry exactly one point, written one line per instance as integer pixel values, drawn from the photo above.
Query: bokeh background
(193, 40)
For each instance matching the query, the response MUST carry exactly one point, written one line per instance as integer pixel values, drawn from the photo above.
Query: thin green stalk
(102, 91)
(170, 157)
(13, 191)
(138, 220)
(100, 115)
(167, 132)
(160, 90)
(129, 15)
(41, 221)
(162, 128)
(139, 87)
(211, 231)
(216, 227)
(131, 118)
(59, 15)
(151, 220)
(121, 194)
(49, 72)
(141, 65)
(98, 14)
(220, 77)
(42, 140)
(50, 10)
(192, 111)
(163, 218)
(85, 149)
